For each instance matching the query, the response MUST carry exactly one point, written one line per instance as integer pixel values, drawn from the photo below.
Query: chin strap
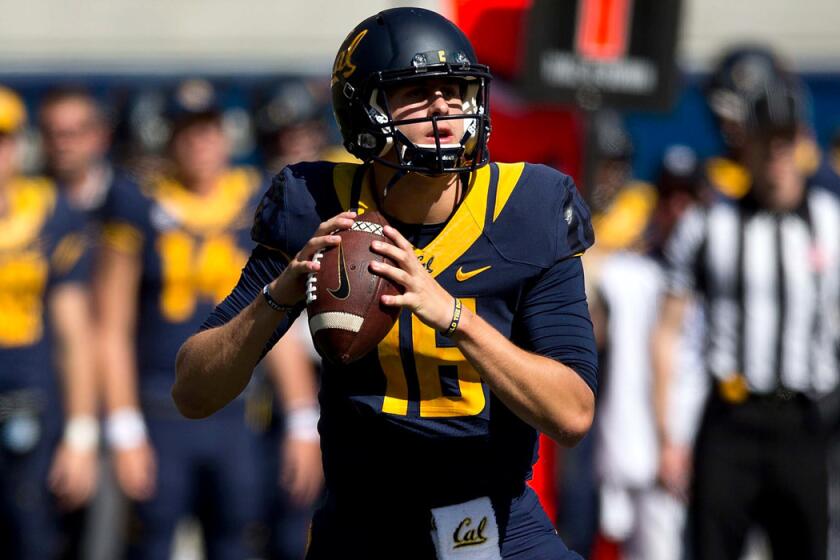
(391, 182)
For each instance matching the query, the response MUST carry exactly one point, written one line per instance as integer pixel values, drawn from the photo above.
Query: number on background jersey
(23, 279)
(193, 269)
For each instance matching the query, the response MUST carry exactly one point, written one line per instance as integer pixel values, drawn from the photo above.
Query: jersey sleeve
(70, 258)
(269, 227)
(553, 320)
(263, 266)
(683, 252)
(124, 219)
(574, 226)
(289, 213)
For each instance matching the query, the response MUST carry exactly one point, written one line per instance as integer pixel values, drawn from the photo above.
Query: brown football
(346, 317)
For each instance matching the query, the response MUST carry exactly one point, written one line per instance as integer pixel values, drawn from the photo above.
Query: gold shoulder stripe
(122, 237)
(463, 229)
(343, 175)
(509, 174)
(343, 183)
(627, 218)
(31, 201)
(68, 251)
(212, 212)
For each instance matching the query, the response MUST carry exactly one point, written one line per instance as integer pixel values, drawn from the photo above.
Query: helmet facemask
(467, 154)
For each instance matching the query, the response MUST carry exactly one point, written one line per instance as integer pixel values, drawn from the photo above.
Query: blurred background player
(75, 132)
(172, 249)
(47, 380)
(620, 208)
(290, 126)
(634, 511)
(765, 267)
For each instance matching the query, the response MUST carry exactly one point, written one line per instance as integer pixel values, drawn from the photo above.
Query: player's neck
(415, 198)
(203, 184)
(82, 185)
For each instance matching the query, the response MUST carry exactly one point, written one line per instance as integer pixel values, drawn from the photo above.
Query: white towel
(466, 531)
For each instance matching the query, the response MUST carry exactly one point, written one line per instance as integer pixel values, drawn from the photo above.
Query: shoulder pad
(127, 201)
(299, 199)
(545, 220)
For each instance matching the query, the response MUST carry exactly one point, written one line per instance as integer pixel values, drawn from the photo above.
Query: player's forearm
(293, 373)
(80, 387)
(118, 374)
(215, 365)
(71, 318)
(664, 342)
(543, 392)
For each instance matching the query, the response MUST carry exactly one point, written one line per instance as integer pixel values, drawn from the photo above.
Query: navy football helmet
(390, 48)
(741, 74)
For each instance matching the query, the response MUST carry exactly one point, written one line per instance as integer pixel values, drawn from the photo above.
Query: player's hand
(301, 474)
(73, 476)
(675, 469)
(289, 288)
(423, 295)
(136, 470)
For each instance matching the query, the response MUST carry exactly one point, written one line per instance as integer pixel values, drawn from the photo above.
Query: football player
(290, 125)
(172, 249)
(76, 138)
(290, 128)
(635, 511)
(428, 440)
(47, 381)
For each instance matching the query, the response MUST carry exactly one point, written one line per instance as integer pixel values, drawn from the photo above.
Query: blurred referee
(766, 268)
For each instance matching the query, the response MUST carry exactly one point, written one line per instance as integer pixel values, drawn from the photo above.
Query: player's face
(74, 137)
(772, 160)
(427, 98)
(301, 142)
(8, 157)
(200, 150)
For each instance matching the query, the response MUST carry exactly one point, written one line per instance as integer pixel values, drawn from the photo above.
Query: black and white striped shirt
(770, 287)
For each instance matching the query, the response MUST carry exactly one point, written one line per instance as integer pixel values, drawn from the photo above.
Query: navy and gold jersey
(191, 249)
(42, 244)
(414, 414)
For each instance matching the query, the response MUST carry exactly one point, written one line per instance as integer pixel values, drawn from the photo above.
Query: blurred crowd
(121, 226)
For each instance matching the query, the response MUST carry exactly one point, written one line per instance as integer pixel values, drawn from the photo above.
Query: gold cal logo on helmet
(343, 68)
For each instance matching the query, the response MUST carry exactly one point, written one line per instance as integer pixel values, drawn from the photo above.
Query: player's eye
(417, 93)
(450, 91)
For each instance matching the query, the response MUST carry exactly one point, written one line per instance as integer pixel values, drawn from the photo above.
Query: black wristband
(273, 303)
(456, 318)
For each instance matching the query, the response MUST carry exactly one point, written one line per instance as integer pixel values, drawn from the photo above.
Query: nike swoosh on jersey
(343, 289)
(460, 275)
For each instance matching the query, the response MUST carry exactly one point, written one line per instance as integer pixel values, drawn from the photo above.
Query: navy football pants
(209, 469)
(359, 532)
